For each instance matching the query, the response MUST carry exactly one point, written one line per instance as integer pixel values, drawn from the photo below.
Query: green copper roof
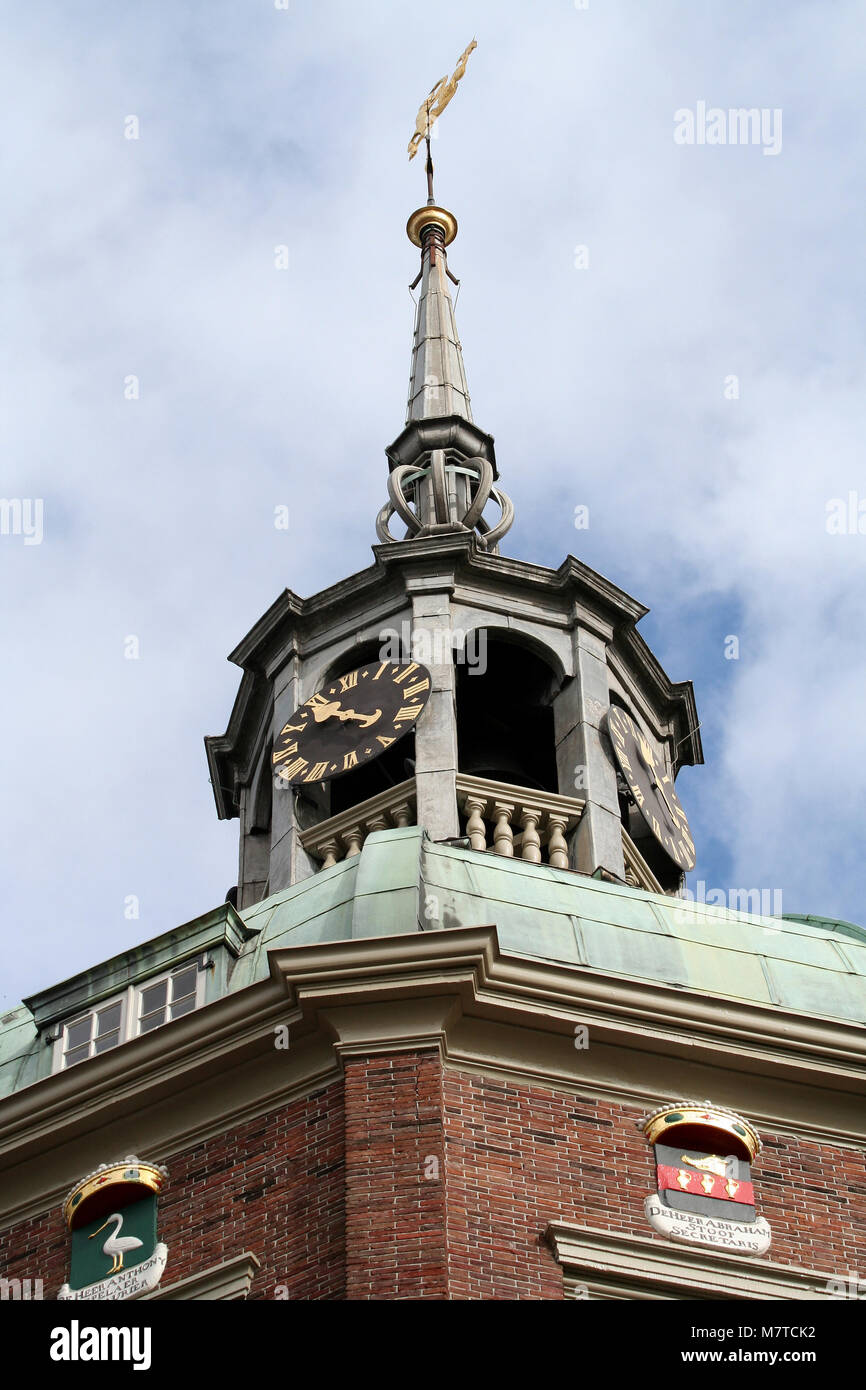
(403, 882)
(828, 924)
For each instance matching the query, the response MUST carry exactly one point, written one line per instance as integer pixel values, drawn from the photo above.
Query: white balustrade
(517, 822)
(514, 822)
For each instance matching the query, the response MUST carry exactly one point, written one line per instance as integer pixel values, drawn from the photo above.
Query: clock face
(652, 787)
(350, 721)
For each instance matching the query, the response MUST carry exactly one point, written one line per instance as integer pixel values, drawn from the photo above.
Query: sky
(667, 333)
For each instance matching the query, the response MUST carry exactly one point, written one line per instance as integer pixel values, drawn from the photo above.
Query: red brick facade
(408, 1180)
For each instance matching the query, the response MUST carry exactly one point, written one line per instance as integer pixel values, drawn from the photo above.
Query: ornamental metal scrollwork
(403, 481)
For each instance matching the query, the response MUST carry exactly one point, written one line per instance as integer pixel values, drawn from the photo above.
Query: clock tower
(522, 670)
(453, 1034)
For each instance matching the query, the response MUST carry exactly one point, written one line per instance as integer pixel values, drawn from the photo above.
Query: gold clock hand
(657, 784)
(323, 708)
(365, 720)
(649, 762)
(327, 709)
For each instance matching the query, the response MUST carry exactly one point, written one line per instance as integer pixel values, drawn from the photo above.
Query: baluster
(475, 827)
(531, 848)
(353, 839)
(557, 849)
(401, 814)
(379, 821)
(503, 835)
(329, 850)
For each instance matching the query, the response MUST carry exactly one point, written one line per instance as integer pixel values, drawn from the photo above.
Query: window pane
(154, 997)
(183, 1006)
(183, 983)
(107, 1040)
(78, 1054)
(79, 1033)
(152, 1021)
(109, 1020)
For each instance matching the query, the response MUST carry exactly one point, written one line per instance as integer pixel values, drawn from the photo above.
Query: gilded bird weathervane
(442, 468)
(433, 107)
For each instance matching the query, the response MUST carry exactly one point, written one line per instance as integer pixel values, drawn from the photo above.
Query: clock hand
(671, 811)
(326, 709)
(323, 708)
(649, 762)
(365, 720)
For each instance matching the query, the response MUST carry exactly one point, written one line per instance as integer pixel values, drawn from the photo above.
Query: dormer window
(140, 1009)
(94, 1033)
(168, 998)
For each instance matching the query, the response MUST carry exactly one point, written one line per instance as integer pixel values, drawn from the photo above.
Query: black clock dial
(350, 721)
(652, 787)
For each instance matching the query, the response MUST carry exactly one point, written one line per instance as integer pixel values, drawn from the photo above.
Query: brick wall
(519, 1157)
(274, 1186)
(395, 1181)
(410, 1181)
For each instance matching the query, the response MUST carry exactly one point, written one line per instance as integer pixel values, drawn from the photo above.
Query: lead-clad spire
(442, 467)
(437, 381)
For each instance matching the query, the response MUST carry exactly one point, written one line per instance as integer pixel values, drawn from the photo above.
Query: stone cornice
(490, 1012)
(525, 990)
(120, 1081)
(228, 1281)
(635, 666)
(610, 1264)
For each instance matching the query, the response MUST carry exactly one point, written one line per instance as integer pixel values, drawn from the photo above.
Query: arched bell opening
(505, 729)
(391, 767)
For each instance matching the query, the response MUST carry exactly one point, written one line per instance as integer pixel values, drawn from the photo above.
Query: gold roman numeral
(415, 688)
(286, 752)
(316, 773)
(407, 712)
(293, 769)
(347, 682)
(413, 666)
(350, 760)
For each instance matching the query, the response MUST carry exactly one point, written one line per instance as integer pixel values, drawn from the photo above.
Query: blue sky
(603, 386)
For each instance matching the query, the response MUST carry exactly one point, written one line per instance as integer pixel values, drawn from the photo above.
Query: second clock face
(350, 721)
(652, 787)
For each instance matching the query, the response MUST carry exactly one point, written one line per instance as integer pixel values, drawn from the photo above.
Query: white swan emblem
(116, 1246)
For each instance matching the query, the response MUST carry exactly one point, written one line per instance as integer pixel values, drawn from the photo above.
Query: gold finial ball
(431, 216)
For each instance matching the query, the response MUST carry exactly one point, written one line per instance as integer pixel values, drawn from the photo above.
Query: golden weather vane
(433, 107)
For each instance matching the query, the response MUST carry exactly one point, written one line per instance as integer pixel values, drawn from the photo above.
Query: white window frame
(130, 1013)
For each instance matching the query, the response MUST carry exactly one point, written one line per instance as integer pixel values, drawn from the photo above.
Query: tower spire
(437, 380)
(442, 467)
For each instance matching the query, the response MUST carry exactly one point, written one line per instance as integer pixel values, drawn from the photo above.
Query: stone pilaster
(436, 730)
(584, 761)
(289, 863)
